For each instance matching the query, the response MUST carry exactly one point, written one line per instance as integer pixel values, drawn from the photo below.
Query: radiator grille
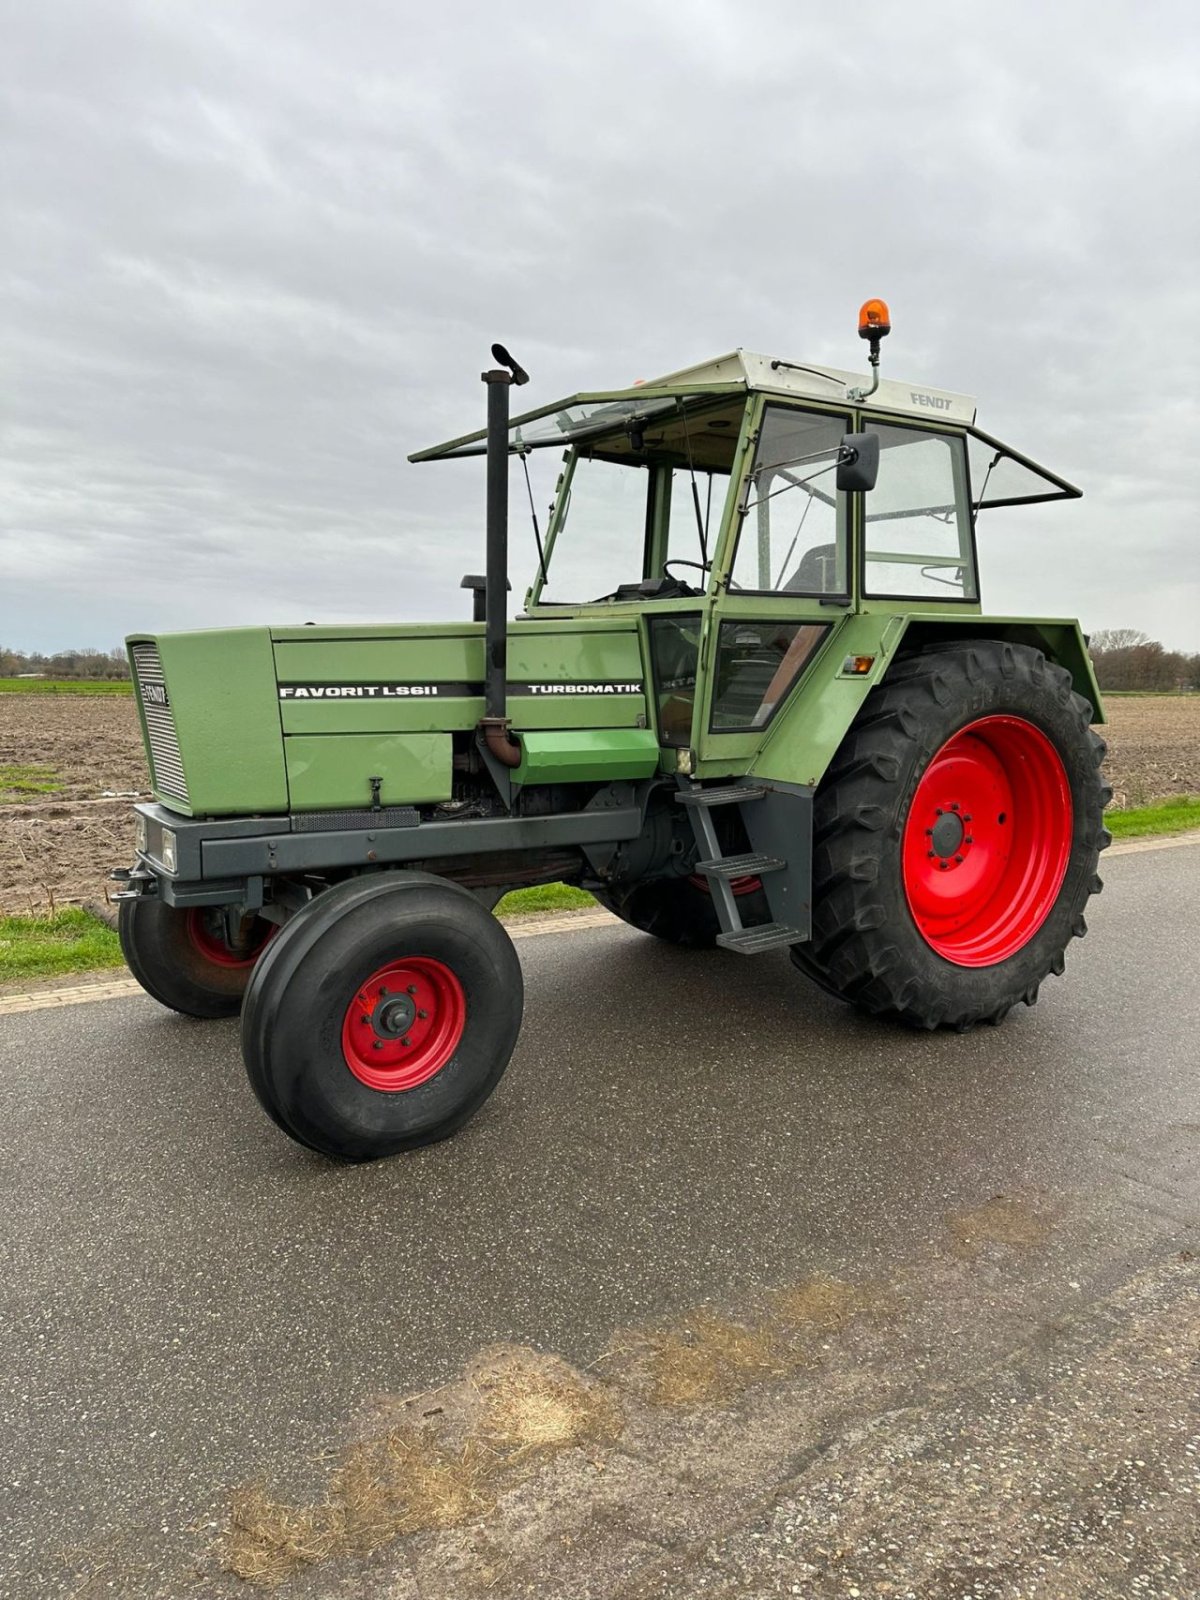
(165, 759)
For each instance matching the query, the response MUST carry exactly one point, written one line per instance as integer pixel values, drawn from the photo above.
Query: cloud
(257, 255)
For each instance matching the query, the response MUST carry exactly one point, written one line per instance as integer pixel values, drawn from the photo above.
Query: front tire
(957, 835)
(182, 958)
(383, 1016)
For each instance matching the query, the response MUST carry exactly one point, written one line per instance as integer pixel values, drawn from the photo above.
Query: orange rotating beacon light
(874, 323)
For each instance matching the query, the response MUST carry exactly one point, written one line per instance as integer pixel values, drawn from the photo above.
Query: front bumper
(226, 861)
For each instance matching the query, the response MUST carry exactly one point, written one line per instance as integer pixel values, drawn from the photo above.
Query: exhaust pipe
(495, 726)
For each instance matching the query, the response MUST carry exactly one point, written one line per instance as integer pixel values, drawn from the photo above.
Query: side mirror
(858, 462)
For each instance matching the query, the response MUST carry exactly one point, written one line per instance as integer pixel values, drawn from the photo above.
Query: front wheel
(183, 958)
(383, 1016)
(957, 835)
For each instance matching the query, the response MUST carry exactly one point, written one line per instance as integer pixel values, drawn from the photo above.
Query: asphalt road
(190, 1302)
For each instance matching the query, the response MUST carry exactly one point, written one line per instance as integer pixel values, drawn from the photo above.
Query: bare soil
(1153, 747)
(57, 849)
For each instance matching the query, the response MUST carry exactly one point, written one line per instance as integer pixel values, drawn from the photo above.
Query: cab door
(782, 584)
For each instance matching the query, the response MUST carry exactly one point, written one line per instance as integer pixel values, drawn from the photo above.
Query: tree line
(1126, 658)
(89, 664)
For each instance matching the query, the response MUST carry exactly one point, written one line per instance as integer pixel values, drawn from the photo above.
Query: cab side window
(918, 536)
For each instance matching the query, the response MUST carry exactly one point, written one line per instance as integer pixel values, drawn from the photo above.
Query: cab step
(763, 936)
(729, 794)
(751, 865)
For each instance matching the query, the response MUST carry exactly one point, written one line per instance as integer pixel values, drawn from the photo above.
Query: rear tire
(957, 835)
(383, 1016)
(678, 910)
(181, 958)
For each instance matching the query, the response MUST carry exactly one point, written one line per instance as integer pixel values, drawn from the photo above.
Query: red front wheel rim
(987, 841)
(404, 1024)
(205, 930)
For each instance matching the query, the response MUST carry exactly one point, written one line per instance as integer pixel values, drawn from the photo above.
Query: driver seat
(817, 572)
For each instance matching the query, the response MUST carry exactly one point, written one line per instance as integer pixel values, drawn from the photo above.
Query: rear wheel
(680, 911)
(183, 957)
(383, 1016)
(957, 835)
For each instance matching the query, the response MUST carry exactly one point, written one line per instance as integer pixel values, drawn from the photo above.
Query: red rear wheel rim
(206, 932)
(987, 841)
(404, 1024)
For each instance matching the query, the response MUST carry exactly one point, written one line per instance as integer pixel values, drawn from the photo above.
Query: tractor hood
(264, 721)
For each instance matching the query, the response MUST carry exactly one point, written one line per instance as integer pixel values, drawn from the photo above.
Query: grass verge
(1177, 814)
(73, 940)
(65, 686)
(45, 947)
(544, 897)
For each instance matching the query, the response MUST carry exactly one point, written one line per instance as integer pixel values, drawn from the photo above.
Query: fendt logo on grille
(155, 694)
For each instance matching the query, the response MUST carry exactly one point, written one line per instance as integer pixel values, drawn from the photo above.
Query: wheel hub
(947, 834)
(393, 1016)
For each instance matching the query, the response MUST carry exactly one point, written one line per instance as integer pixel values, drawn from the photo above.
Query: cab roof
(593, 411)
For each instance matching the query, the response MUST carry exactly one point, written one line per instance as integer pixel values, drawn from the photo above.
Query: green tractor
(752, 701)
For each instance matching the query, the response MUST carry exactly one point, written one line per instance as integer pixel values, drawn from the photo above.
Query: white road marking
(519, 928)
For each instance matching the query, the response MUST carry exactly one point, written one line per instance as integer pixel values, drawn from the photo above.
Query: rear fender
(1059, 639)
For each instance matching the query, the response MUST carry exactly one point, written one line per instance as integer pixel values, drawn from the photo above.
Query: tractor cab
(722, 505)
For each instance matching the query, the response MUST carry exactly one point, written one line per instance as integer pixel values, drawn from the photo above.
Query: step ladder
(722, 870)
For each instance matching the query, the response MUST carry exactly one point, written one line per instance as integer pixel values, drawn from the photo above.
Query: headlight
(168, 850)
(140, 834)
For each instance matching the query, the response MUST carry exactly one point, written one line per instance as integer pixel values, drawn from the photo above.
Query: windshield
(635, 503)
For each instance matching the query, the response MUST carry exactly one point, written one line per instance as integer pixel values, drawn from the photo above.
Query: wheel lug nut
(945, 866)
(932, 853)
(959, 860)
(383, 994)
(929, 833)
(412, 989)
(968, 840)
(377, 1044)
(406, 1041)
(966, 818)
(422, 1015)
(364, 1018)
(940, 812)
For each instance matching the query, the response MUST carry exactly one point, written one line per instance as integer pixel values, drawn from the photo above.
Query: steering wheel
(678, 561)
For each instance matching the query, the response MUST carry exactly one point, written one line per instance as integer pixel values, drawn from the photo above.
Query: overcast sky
(254, 253)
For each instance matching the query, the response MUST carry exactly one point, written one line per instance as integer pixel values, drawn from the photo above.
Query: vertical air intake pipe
(495, 727)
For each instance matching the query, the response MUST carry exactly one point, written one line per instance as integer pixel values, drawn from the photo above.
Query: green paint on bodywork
(805, 735)
(329, 771)
(221, 684)
(233, 726)
(602, 755)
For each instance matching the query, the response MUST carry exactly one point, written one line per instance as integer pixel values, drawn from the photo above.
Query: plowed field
(57, 843)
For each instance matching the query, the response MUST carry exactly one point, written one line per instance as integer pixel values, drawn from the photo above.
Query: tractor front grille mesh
(165, 760)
